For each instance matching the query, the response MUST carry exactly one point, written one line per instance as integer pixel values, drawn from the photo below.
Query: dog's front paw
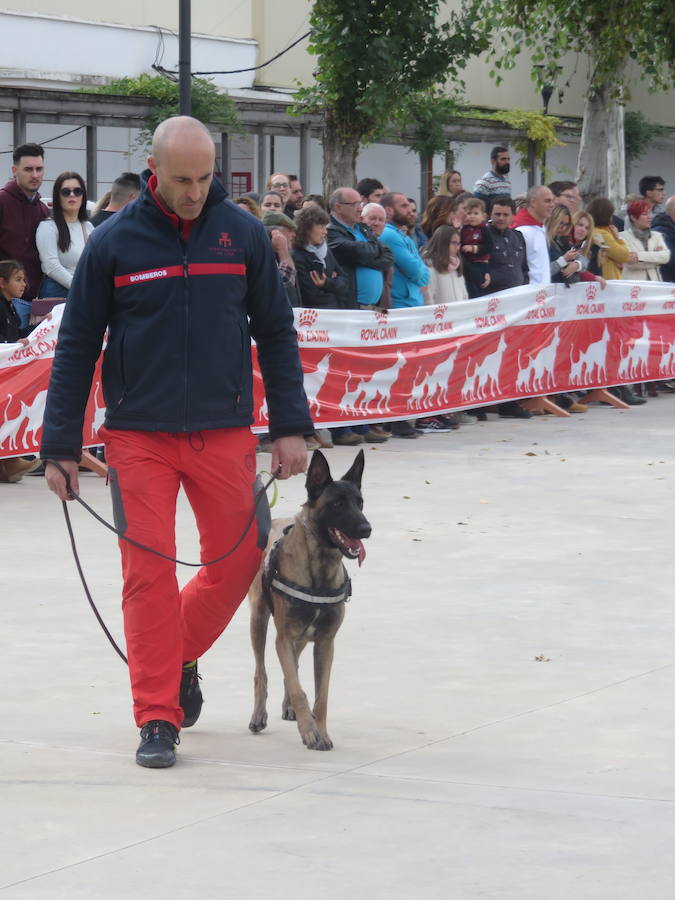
(314, 740)
(288, 713)
(258, 721)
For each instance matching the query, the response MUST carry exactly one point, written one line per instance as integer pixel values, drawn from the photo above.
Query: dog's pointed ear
(356, 471)
(318, 476)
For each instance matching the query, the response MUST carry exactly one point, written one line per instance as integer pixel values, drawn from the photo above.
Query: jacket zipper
(187, 325)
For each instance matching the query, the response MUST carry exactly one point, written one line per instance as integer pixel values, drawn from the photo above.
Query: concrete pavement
(501, 704)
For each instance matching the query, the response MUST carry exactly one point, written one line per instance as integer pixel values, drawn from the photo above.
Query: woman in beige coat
(648, 246)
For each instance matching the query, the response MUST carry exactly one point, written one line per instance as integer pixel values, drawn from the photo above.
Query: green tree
(621, 38)
(370, 54)
(208, 104)
(639, 135)
(421, 118)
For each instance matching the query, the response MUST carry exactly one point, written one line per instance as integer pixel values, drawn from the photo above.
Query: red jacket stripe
(178, 272)
(216, 269)
(148, 275)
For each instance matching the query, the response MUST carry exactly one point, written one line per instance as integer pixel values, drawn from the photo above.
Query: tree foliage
(537, 129)
(640, 134)
(208, 104)
(613, 33)
(370, 55)
(422, 117)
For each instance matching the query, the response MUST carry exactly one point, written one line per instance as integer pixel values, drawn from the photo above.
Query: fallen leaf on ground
(530, 453)
(542, 658)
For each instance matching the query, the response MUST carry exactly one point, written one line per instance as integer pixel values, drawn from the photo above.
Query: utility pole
(184, 58)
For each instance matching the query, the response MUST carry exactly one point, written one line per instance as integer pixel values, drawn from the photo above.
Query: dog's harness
(271, 578)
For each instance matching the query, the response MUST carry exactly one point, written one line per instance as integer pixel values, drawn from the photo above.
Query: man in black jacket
(665, 224)
(507, 268)
(361, 256)
(180, 279)
(508, 261)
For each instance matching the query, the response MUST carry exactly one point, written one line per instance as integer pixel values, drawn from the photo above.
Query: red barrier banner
(374, 366)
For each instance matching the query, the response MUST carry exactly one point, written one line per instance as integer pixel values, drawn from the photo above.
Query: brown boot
(13, 470)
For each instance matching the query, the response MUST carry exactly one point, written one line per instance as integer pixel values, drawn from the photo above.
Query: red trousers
(165, 626)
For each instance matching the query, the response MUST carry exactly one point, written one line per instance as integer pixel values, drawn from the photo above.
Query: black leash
(261, 493)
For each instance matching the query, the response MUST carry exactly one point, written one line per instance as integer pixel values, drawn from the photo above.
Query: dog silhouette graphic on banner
(377, 387)
(433, 387)
(634, 364)
(594, 358)
(485, 377)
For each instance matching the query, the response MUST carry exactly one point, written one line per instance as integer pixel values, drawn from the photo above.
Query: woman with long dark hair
(437, 213)
(441, 254)
(61, 239)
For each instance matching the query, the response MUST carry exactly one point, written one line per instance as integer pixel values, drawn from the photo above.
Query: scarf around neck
(642, 234)
(319, 250)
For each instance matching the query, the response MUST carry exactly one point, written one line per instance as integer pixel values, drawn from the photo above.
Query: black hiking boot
(156, 750)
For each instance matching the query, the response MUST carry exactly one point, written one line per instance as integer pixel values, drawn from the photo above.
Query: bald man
(531, 221)
(182, 279)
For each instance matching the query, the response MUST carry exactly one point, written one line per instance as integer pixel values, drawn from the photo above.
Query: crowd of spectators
(365, 246)
(377, 250)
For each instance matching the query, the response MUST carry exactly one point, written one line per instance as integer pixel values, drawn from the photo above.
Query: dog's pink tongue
(362, 553)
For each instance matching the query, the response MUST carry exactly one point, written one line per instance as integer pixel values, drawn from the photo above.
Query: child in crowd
(476, 245)
(14, 311)
(441, 254)
(12, 286)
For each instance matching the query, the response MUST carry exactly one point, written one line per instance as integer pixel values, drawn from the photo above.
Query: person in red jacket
(21, 211)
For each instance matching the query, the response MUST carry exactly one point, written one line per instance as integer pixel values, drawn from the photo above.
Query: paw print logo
(493, 305)
(308, 317)
(635, 292)
(440, 311)
(591, 292)
(542, 296)
(381, 316)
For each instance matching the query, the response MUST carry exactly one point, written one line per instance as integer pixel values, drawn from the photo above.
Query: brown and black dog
(303, 583)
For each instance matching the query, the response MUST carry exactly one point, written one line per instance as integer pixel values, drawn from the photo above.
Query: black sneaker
(190, 694)
(432, 426)
(513, 411)
(403, 430)
(156, 750)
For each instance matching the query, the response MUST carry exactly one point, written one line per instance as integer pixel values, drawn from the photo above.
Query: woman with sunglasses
(61, 239)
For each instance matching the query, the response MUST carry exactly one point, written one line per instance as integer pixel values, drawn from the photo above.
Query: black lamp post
(550, 73)
(184, 59)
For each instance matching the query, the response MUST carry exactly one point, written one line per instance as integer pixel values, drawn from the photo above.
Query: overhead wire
(51, 140)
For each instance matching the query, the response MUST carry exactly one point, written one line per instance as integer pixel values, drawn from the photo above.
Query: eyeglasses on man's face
(280, 184)
(352, 203)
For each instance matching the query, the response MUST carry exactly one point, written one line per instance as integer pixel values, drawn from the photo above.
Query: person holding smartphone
(322, 282)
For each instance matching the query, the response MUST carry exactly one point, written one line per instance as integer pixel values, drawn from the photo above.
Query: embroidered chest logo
(224, 239)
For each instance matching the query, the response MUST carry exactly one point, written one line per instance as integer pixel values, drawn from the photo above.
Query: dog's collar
(272, 579)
